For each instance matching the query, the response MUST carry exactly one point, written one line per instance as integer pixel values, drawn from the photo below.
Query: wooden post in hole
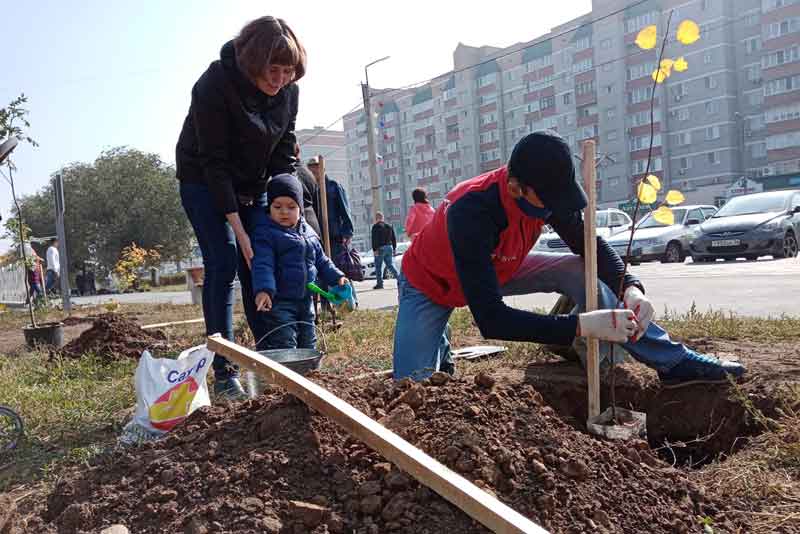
(590, 272)
(323, 204)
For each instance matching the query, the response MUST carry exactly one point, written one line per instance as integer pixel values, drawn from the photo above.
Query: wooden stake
(323, 204)
(462, 493)
(590, 273)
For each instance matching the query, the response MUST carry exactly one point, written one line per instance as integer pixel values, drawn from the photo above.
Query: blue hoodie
(286, 259)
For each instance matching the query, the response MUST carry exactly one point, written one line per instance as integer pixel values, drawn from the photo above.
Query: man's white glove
(608, 325)
(635, 301)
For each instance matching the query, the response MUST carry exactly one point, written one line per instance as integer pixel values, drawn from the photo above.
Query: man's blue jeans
(222, 262)
(289, 324)
(385, 255)
(421, 344)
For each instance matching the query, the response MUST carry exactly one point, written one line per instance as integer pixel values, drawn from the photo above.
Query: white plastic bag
(167, 391)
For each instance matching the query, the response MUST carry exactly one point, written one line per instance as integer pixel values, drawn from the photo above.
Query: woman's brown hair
(267, 41)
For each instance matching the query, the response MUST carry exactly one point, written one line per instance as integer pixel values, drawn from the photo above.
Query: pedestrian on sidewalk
(51, 277)
(240, 131)
(420, 214)
(476, 251)
(384, 245)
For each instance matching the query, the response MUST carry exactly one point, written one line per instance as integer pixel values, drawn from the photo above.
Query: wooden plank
(173, 323)
(462, 493)
(590, 272)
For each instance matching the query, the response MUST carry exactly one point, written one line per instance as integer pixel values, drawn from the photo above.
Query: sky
(100, 74)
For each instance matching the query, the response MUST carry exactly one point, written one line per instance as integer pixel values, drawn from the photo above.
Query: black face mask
(533, 211)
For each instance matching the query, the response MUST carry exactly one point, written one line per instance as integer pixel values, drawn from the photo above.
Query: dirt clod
(113, 336)
(485, 380)
(440, 378)
(309, 514)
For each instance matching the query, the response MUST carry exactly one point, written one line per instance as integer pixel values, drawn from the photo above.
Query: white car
(608, 222)
(368, 260)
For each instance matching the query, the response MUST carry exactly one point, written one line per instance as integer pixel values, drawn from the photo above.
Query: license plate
(726, 243)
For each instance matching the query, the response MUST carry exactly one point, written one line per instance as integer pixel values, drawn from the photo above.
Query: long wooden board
(462, 493)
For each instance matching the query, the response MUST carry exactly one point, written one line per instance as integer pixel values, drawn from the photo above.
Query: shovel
(339, 296)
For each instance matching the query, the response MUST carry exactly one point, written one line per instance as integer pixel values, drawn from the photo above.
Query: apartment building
(735, 112)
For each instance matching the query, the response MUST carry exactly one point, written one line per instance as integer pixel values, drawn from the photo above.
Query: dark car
(749, 226)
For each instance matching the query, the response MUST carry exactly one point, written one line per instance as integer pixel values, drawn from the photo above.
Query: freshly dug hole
(687, 426)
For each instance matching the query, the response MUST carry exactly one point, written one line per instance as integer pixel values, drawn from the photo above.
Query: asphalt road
(760, 289)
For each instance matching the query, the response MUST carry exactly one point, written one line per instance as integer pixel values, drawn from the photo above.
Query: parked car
(608, 222)
(368, 260)
(668, 243)
(749, 226)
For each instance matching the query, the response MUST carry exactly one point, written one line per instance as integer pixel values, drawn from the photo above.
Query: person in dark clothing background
(310, 194)
(238, 133)
(340, 220)
(384, 245)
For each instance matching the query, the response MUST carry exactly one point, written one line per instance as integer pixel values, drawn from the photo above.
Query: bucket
(301, 361)
(629, 424)
(44, 334)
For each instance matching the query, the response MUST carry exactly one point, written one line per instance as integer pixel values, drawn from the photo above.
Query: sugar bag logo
(173, 406)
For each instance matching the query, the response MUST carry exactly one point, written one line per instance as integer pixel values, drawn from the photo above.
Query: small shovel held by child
(339, 296)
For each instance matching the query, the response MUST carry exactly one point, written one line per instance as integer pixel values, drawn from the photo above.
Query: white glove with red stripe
(608, 325)
(635, 301)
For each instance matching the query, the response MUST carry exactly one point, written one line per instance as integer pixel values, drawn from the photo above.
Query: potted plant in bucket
(35, 333)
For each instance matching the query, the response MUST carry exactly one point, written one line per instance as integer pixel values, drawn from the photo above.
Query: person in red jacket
(476, 250)
(420, 213)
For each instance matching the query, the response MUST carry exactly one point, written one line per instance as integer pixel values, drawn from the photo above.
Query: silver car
(653, 240)
(608, 222)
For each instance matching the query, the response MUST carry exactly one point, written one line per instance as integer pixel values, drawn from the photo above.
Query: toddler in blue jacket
(287, 256)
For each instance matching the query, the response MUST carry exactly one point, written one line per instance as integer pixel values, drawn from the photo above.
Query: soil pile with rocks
(272, 465)
(113, 336)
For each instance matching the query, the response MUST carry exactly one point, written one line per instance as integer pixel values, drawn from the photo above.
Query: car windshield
(746, 205)
(650, 222)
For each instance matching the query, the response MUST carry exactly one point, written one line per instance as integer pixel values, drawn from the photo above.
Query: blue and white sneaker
(701, 369)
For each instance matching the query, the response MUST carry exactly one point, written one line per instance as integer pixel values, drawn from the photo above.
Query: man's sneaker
(378, 287)
(699, 368)
(229, 389)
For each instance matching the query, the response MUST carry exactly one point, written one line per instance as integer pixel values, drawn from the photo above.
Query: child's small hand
(343, 280)
(263, 302)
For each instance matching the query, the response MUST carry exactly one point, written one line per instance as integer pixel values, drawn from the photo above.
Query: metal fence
(12, 283)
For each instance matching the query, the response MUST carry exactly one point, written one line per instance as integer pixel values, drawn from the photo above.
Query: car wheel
(730, 259)
(697, 259)
(673, 253)
(789, 246)
(751, 257)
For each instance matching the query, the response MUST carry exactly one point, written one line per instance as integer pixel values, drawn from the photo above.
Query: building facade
(735, 112)
(329, 143)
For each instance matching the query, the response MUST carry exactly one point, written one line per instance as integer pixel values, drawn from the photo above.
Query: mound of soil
(272, 465)
(113, 336)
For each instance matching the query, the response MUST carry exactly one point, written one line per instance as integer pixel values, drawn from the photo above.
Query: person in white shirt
(53, 266)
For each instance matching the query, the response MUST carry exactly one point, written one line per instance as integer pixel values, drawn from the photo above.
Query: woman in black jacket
(239, 131)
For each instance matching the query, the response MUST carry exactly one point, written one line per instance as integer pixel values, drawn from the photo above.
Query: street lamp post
(377, 196)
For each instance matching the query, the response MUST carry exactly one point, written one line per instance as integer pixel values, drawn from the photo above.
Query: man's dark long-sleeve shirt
(382, 235)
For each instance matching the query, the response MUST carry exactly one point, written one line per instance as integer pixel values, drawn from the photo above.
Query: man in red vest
(476, 250)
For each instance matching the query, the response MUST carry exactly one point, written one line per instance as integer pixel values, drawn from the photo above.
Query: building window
(711, 82)
(583, 43)
(712, 107)
(539, 63)
(607, 66)
(640, 94)
(708, 58)
(605, 44)
(613, 181)
(782, 85)
(756, 98)
(781, 57)
(608, 89)
(567, 99)
(582, 66)
(611, 113)
(712, 132)
(635, 24)
(547, 102)
(783, 113)
(758, 150)
(705, 5)
(643, 141)
(640, 71)
(683, 114)
(752, 45)
(685, 163)
(784, 27)
(781, 141)
(486, 79)
(682, 139)
(713, 158)
(584, 88)
(752, 19)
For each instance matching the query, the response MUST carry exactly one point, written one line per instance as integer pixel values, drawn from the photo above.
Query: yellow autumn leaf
(680, 64)
(659, 75)
(674, 197)
(647, 193)
(664, 215)
(647, 37)
(667, 65)
(688, 32)
(653, 180)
